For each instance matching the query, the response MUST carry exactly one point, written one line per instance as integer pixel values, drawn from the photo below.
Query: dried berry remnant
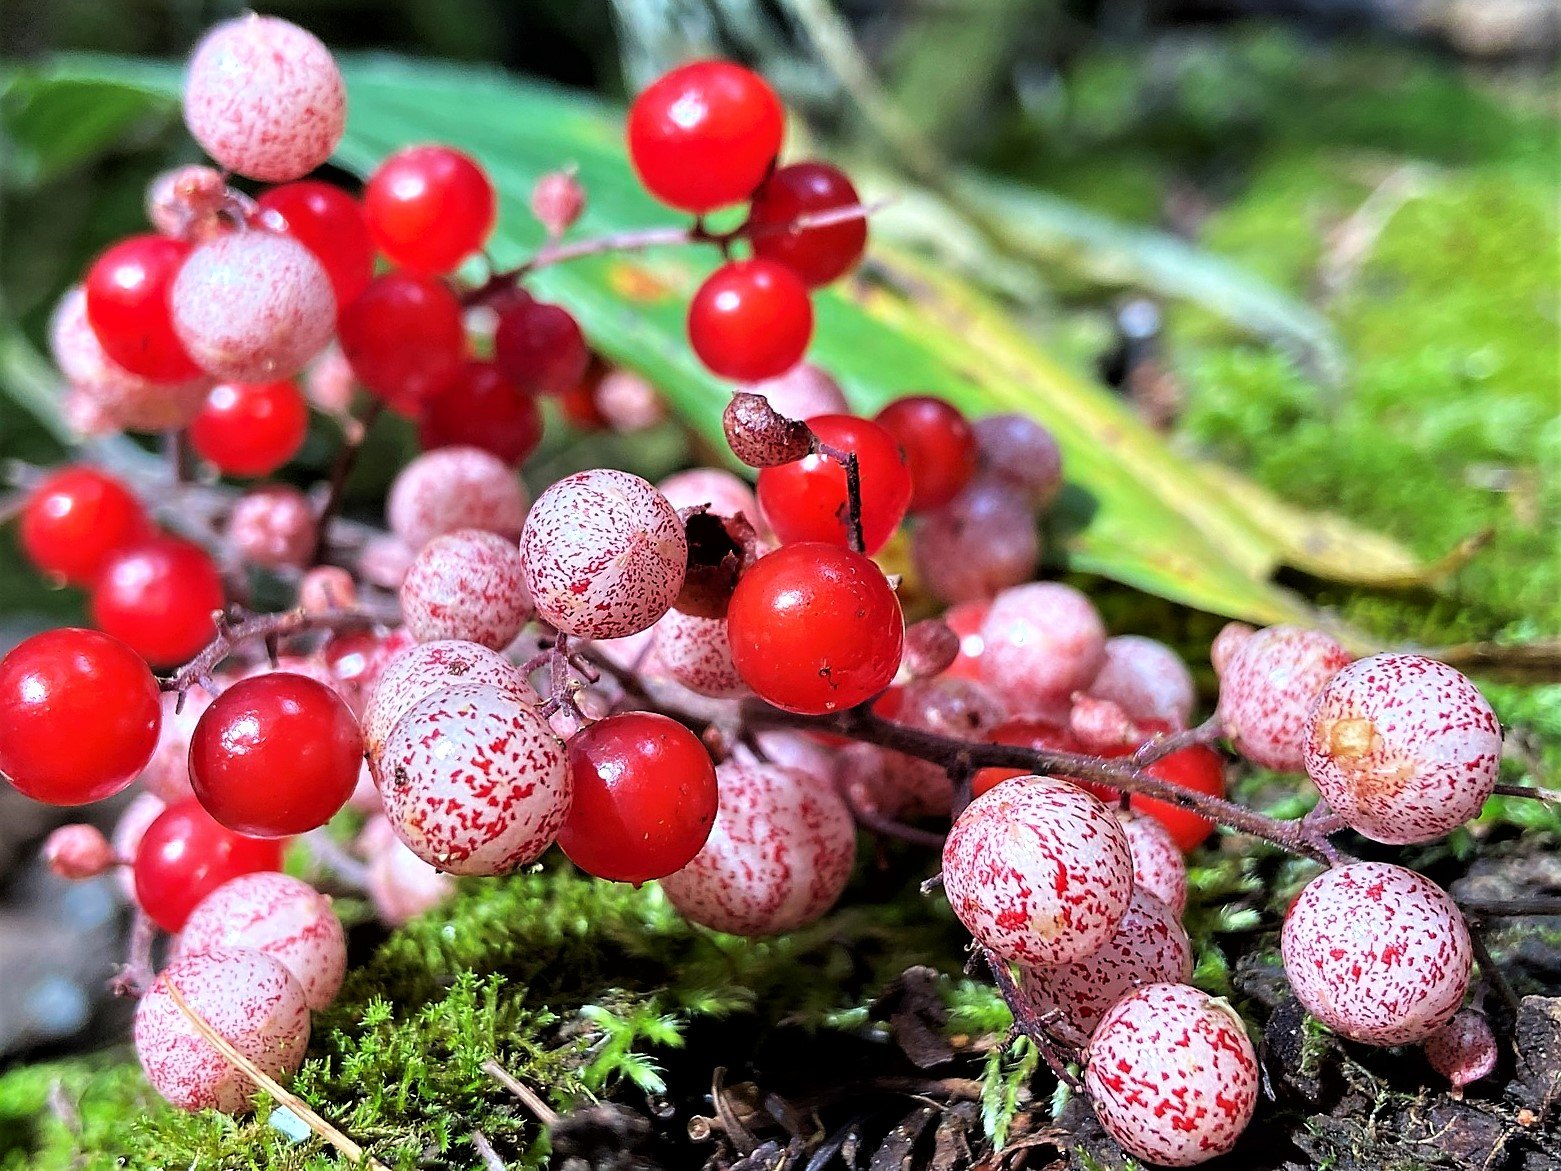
(466, 585)
(760, 436)
(455, 488)
(930, 648)
(1172, 1075)
(1038, 871)
(720, 549)
(1403, 748)
(249, 999)
(1268, 688)
(1043, 642)
(77, 852)
(557, 200)
(1464, 1049)
(1158, 865)
(419, 671)
(185, 203)
(1378, 953)
(1147, 680)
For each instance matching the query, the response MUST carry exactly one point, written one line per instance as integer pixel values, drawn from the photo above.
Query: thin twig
(330, 855)
(341, 471)
(1547, 906)
(1029, 1022)
(544, 1113)
(1489, 968)
(137, 974)
(1160, 747)
(886, 826)
(1533, 791)
(489, 1156)
(256, 628)
(853, 471)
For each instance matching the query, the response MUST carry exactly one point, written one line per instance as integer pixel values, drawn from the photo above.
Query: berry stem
(138, 972)
(331, 856)
(1533, 791)
(1028, 1022)
(258, 627)
(1160, 747)
(886, 826)
(528, 1097)
(853, 517)
(346, 459)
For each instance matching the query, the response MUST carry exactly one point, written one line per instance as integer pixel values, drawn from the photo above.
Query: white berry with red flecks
(604, 553)
(720, 491)
(252, 306)
(1403, 748)
(1149, 946)
(982, 542)
(1147, 680)
(1038, 871)
(421, 670)
(946, 705)
(473, 780)
(466, 585)
(697, 653)
(1172, 1075)
(1158, 865)
(777, 858)
(264, 98)
(1376, 952)
(167, 774)
(1464, 1049)
(249, 999)
(1043, 642)
(1268, 688)
(454, 488)
(273, 527)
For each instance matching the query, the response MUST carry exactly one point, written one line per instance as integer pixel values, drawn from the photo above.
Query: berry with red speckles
(474, 780)
(818, 254)
(481, 409)
(539, 347)
(802, 392)
(455, 488)
(1378, 953)
(1172, 1075)
(982, 542)
(404, 338)
(1148, 947)
(1038, 871)
(331, 224)
(1019, 451)
(777, 858)
(282, 916)
(1268, 688)
(1158, 865)
(959, 708)
(158, 596)
(429, 207)
(273, 526)
(724, 493)
(806, 500)
(76, 852)
(466, 585)
(1146, 679)
(1403, 748)
(698, 654)
(250, 428)
(184, 855)
(939, 446)
(1231, 638)
(751, 319)
(1043, 642)
(249, 999)
(419, 671)
(1464, 1049)
(604, 554)
(264, 98)
(76, 519)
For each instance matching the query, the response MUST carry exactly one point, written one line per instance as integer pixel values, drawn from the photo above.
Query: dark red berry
(404, 339)
(482, 408)
(939, 445)
(539, 347)
(816, 254)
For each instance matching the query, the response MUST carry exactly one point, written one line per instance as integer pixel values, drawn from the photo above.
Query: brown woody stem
(258, 628)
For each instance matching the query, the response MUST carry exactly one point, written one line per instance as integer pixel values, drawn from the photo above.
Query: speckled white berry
(777, 858)
(249, 999)
(1231, 638)
(277, 914)
(1158, 865)
(466, 585)
(273, 526)
(454, 488)
(1038, 871)
(1464, 1049)
(1172, 1075)
(720, 491)
(1043, 642)
(1404, 748)
(264, 98)
(1376, 952)
(418, 671)
(697, 653)
(1146, 679)
(604, 554)
(1268, 688)
(474, 781)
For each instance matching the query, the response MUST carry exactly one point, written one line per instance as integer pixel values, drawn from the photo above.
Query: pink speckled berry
(466, 585)
(722, 492)
(777, 858)
(1464, 1049)
(282, 916)
(1148, 947)
(629, 402)
(1231, 638)
(329, 381)
(948, 706)
(1378, 953)
(143, 809)
(604, 554)
(1268, 688)
(78, 851)
(1146, 679)
(802, 392)
(455, 488)
(264, 98)
(421, 670)
(401, 885)
(273, 526)
(249, 999)
(1172, 1075)
(1158, 865)
(1043, 642)
(696, 652)
(1038, 871)
(473, 780)
(1404, 748)
(802, 751)
(167, 774)
(327, 587)
(981, 542)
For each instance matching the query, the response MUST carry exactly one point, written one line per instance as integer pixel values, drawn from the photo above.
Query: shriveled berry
(185, 203)
(1464, 1049)
(760, 436)
(466, 585)
(1268, 688)
(722, 492)
(1043, 642)
(455, 488)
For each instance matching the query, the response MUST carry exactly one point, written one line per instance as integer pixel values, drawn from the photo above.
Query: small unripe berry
(455, 488)
(760, 436)
(466, 585)
(1464, 1049)
(77, 852)
(1268, 688)
(557, 201)
(1147, 679)
(1231, 638)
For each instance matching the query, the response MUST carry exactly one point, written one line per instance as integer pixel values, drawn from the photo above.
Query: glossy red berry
(644, 797)
(1198, 768)
(404, 339)
(705, 134)
(275, 755)
(939, 445)
(184, 855)
(815, 628)
(806, 500)
(331, 224)
(429, 207)
(128, 307)
(79, 716)
(750, 320)
(481, 408)
(1025, 733)
(820, 254)
(76, 519)
(158, 596)
(250, 428)
(539, 347)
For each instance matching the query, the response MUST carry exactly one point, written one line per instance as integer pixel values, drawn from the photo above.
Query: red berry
(817, 255)
(815, 628)
(331, 224)
(644, 797)
(158, 596)
(966, 620)
(404, 339)
(184, 855)
(539, 347)
(429, 208)
(1198, 768)
(482, 409)
(275, 755)
(1026, 733)
(250, 428)
(76, 519)
(939, 446)
(806, 500)
(127, 306)
(79, 716)
(704, 135)
(750, 320)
